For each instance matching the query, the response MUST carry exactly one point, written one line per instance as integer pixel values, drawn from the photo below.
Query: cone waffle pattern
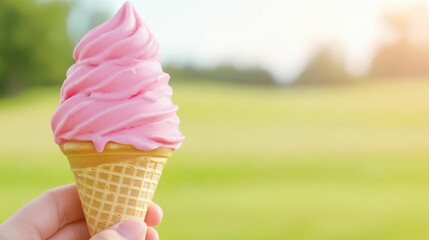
(113, 192)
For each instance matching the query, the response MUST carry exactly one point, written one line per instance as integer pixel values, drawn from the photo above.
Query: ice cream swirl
(117, 91)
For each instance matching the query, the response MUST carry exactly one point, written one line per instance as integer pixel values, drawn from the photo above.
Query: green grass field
(332, 163)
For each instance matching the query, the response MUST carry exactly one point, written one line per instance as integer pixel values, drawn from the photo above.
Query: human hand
(57, 214)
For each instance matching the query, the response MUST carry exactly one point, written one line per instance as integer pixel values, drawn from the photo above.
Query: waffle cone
(116, 184)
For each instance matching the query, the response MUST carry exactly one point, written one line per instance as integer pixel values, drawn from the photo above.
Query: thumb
(133, 229)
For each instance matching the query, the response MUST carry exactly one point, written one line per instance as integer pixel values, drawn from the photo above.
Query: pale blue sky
(279, 35)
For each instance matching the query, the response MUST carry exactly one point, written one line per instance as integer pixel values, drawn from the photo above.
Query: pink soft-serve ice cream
(116, 122)
(116, 91)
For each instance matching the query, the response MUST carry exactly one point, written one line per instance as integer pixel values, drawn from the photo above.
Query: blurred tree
(85, 15)
(35, 48)
(408, 54)
(324, 69)
(222, 73)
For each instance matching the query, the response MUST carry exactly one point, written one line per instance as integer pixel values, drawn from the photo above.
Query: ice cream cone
(116, 184)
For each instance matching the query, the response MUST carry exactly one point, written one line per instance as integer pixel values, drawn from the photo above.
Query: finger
(72, 231)
(154, 215)
(43, 216)
(151, 234)
(133, 229)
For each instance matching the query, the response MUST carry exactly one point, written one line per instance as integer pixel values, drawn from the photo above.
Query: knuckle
(7, 232)
(48, 196)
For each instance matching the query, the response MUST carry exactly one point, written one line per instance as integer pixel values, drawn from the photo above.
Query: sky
(279, 35)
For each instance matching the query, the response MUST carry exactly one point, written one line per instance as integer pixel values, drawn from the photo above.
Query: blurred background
(304, 119)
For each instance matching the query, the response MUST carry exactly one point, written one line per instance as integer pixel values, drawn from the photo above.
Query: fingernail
(155, 233)
(133, 229)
